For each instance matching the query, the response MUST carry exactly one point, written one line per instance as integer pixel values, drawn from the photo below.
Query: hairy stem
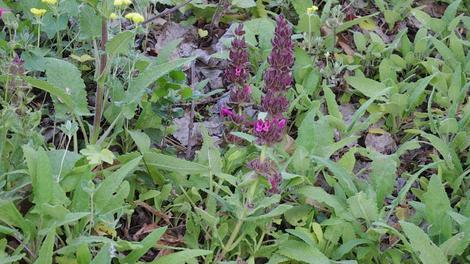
(99, 100)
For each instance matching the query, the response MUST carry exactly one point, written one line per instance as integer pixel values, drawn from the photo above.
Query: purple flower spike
(238, 69)
(224, 111)
(278, 76)
(269, 132)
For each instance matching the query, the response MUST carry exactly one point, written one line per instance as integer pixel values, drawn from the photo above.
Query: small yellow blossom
(50, 2)
(135, 17)
(312, 10)
(122, 2)
(39, 12)
(113, 16)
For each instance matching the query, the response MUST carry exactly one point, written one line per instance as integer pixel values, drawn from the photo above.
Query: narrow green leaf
(181, 257)
(345, 179)
(112, 182)
(170, 163)
(148, 242)
(46, 251)
(366, 86)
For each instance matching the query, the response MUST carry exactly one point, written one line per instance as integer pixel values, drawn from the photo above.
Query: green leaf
(120, 43)
(141, 140)
(138, 86)
(41, 174)
(279, 210)
(181, 257)
(104, 255)
(383, 176)
(418, 89)
(66, 76)
(170, 163)
(62, 96)
(363, 207)
(437, 205)
(320, 195)
(12, 217)
(112, 182)
(46, 251)
(90, 23)
(353, 22)
(345, 179)
(300, 251)
(426, 250)
(210, 154)
(244, 3)
(366, 86)
(301, 6)
(95, 155)
(148, 242)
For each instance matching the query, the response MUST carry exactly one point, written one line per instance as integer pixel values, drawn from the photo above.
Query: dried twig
(191, 113)
(163, 13)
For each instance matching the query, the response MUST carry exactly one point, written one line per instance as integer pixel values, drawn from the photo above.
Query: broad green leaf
(46, 250)
(12, 217)
(363, 207)
(149, 242)
(301, 6)
(141, 140)
(304, 234)
(95, 155)
(90, 23)
(437, 205)
(418, 89)
(41, 174)
(330, 98)
(170, 163)
(424, 248)
(366, 86)
(456, 245)
(66, 76)
(62, 96)
(383, 176)
(434, 24)
(210, 154)
(182, 257)
(120, 43)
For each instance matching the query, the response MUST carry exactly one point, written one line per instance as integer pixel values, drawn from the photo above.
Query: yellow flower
(135, 17)
(38, 12)
(122, 2)
(113, 16)
(312, 10)
(50, 2)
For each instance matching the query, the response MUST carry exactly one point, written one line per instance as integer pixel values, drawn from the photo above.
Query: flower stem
(99, 100)
(39, 33)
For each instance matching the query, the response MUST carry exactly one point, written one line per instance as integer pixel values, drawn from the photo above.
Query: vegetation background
(234, 131)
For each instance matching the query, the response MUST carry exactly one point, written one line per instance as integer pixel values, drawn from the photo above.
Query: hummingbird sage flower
(278, 76)
(277, 80)
(236, 77)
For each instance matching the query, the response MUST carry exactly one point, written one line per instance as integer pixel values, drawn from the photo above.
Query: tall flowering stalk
(236, 76)
(277, 80)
